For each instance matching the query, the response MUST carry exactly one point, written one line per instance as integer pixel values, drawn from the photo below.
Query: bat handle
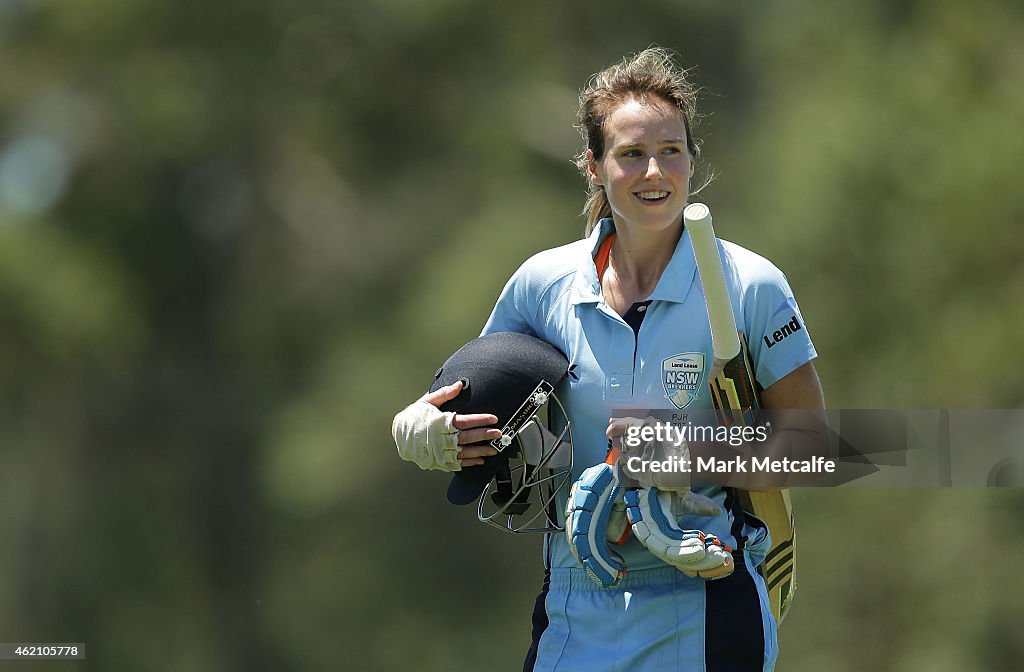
(724, 338)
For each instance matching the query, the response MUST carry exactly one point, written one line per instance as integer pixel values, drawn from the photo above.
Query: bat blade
(736, 397)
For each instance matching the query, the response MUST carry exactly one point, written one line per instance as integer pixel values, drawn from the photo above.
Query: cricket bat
(736, 397)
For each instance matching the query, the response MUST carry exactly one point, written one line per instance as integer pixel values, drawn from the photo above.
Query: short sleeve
(776, 332)
(513, 310)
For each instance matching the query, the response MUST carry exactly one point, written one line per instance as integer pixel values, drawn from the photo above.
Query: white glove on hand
(636, 459)
(425, 435)
(685, 501)
(692, 552)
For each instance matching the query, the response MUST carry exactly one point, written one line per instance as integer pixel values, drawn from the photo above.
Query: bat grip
(724, 338)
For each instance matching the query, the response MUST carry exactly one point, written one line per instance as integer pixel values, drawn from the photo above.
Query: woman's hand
(473, 427)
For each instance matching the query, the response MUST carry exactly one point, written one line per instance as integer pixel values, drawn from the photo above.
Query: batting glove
(692, 552)
(588, 515)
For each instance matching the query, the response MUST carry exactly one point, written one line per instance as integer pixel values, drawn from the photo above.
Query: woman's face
(646, 167)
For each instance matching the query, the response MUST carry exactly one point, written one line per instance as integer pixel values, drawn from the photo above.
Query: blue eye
(631, 152)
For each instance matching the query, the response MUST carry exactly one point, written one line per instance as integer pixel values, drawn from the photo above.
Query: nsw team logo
(682, 376)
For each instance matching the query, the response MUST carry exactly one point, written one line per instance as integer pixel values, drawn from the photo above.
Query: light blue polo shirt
(556, 296)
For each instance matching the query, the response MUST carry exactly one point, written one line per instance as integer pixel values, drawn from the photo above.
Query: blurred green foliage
(236, 237)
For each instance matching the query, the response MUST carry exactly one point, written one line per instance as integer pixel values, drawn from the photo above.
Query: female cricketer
(624, 305)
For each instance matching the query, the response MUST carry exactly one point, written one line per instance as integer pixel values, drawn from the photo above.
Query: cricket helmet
(512, 376)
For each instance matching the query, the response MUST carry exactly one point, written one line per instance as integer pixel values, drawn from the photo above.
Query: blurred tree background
(236, 237)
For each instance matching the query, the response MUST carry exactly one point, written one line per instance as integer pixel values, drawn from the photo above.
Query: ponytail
(595, 209)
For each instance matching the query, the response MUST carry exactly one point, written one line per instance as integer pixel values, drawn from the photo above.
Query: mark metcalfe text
(675, 436)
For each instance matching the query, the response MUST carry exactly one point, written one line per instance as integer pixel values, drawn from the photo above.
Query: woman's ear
(592, 172)
(692, 166)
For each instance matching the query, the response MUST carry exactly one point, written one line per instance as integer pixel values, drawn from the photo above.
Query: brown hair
(653, 73)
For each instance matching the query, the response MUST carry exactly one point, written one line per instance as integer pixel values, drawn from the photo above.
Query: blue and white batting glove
(589, 512)
(692, 552)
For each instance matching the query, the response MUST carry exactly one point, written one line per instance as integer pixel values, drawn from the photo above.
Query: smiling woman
(644, 176)
(623, 305)
(649, 78)
(646, 162)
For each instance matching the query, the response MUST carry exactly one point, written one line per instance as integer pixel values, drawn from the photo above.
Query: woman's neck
(635, 264)
(638, 258)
